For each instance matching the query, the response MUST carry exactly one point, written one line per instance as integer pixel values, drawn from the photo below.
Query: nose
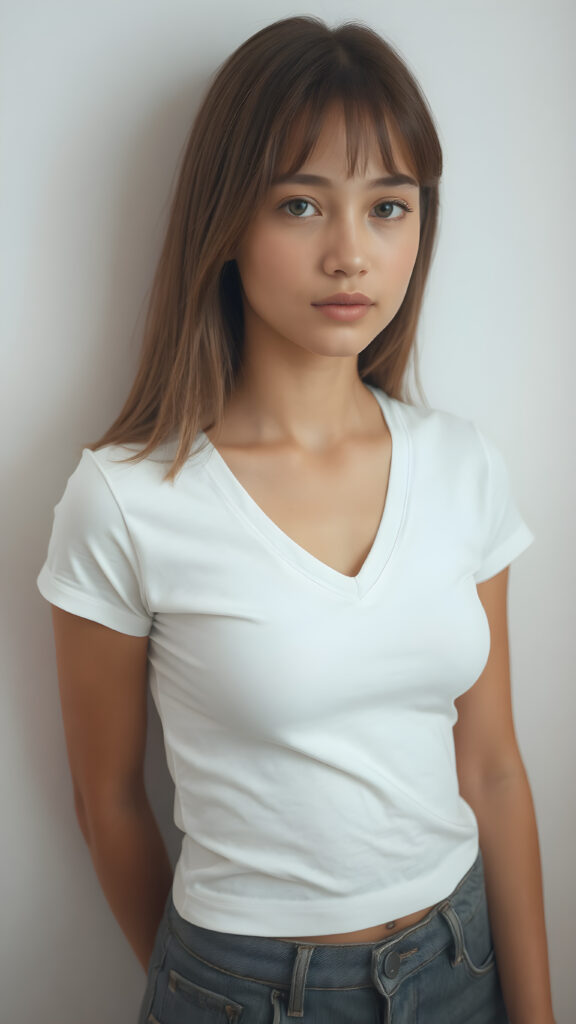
(346, 248)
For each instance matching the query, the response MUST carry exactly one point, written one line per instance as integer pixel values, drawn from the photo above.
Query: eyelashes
(385, 202)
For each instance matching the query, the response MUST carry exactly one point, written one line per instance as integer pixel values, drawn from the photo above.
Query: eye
(292, 202)
(395, 202)
(390, 203)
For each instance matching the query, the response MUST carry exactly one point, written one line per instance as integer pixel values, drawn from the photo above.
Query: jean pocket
(185, 1000)
(473, 945)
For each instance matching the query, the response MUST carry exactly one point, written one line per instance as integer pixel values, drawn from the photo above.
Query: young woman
(311, 571)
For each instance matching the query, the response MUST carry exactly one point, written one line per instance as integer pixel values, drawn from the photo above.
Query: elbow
(99, 810)
(494, 780)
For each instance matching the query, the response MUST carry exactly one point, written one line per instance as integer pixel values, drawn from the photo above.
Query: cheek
(267, 261)
(404, 258)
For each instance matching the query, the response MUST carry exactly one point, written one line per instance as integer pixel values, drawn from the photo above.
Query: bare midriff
(375, 934)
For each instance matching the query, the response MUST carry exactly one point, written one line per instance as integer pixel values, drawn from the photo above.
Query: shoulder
(439, 435)
(117, 464)
(103, 485)
(128, 476)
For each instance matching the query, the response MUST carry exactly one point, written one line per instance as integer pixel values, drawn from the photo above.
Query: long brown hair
(286, 74)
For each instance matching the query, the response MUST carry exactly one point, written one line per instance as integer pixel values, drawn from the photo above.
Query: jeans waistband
(325, 965)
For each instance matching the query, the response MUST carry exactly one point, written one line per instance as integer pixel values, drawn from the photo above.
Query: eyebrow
(315, 179)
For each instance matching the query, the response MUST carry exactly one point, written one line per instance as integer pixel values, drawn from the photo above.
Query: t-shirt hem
(278, 918)
(81, 604)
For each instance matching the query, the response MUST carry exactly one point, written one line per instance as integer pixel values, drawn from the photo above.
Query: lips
(345, 299)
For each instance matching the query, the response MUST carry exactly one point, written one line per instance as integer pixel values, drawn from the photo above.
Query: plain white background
(98, 102)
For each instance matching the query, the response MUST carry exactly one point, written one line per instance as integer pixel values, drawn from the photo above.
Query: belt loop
(298, 983)
(453, 921)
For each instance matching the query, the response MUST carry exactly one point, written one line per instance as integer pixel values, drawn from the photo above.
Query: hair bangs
(366, 119)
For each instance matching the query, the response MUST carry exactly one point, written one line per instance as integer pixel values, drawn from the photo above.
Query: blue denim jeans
(440, 971)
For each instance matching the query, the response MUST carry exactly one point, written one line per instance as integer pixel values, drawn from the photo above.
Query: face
(309, 241)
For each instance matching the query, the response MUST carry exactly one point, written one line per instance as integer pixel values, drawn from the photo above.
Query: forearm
(133, 868)
(511, 854)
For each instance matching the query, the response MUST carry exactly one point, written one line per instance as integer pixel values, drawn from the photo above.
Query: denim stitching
(179, 983)
(222, 970)
(461, 953)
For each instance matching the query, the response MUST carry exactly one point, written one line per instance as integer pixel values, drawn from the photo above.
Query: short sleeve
(92, 568)
(504, 533)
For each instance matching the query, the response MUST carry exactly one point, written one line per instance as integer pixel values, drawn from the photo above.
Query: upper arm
(484, 735)
(102, 677)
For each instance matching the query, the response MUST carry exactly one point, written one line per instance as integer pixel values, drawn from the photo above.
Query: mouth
(344, 299)
(344, 311)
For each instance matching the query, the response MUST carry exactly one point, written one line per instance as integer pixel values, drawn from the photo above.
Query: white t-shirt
(307, 715)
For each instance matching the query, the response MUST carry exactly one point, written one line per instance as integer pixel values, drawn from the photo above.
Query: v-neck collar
(390, 523)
